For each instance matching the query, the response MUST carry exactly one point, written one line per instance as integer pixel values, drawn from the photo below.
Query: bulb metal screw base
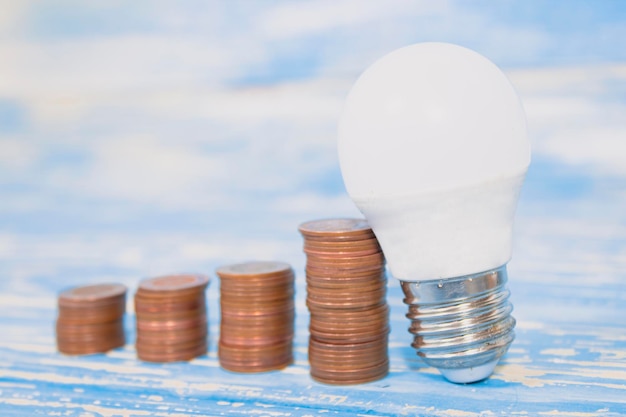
(462, 325)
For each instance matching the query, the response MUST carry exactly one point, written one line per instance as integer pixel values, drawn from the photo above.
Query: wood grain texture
(558, 365)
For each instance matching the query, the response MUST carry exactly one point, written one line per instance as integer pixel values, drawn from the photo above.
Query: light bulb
(433, 150)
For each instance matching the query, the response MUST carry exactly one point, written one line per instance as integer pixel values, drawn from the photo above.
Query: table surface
(569, 356)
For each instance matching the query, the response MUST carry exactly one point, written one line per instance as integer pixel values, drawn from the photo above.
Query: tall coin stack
(91, 319)
(346, 288)
(171, 318)
(257, 307)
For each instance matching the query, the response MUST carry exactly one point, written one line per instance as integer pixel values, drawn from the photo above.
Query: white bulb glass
(433, 150)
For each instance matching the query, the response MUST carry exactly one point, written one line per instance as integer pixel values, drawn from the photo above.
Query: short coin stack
(257, 308)
(346, 288)
(91, 319)
(171, 318)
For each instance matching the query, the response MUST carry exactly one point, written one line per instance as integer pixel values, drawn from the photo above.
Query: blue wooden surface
(569, 357)
(142, 139)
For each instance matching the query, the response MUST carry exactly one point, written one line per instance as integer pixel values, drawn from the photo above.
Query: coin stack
(257, 307)
(346, 288)
(171, 318)
(91, 319)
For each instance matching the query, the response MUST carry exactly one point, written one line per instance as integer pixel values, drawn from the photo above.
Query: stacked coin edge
(91, 319)
(346, 288)
(171, 318)
(257, 316)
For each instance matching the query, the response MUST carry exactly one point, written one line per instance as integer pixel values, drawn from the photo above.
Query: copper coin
(341, 299)
(349, 314)
(260, 364)
(92, 295)
(353, 252)
(257, 306)
(171, 318)
(348, 372)
(359, 288)
(69, 329)
(89, 319)
(242, 326)
(375, 259)
(173, 283)
(364, 303)
(258, 310)
(343, 285)
(332, 228)
(171, 323)
(177, 297)
(338, 358)
(168, 345)
(86, 340)
(117, 304)
(342, 255)
(87, 349)
(348, 326)
(255, 288)
(176, 356)
(91, 339)
(257, 314)
(118, 337)
(330, 355)
(245, 329)
(351, 377)
(323, 245)
(256, 366)
(251, 343)
(171, 315)
(151, 336)
(343, 271)
(254, 350)
(254, 269)
(360, 336)
(348, 347)
(376, 276)
(198, 303)
(257, 285)
(171, 348)
(355, 275)
(348, 362)
(259, 321)
(242, 298)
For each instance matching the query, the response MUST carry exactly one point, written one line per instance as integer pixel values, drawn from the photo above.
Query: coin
(346, 289)
(258, 311)
(91, 319)
(92, 295)
(173, 355)
(339, 229)
(168, 284)
(171, 318)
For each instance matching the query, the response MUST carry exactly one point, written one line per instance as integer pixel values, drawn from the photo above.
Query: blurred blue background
(147, 137)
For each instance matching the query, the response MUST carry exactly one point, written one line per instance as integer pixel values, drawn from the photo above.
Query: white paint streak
(519, 374)
(293, 370)
(109, 367)
(99, 410)
(333, 399)
(568, 413)
(17, 385)
(559, 352)
(28, 347)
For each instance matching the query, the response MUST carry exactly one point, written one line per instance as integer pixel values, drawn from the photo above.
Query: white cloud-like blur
(151, 135)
